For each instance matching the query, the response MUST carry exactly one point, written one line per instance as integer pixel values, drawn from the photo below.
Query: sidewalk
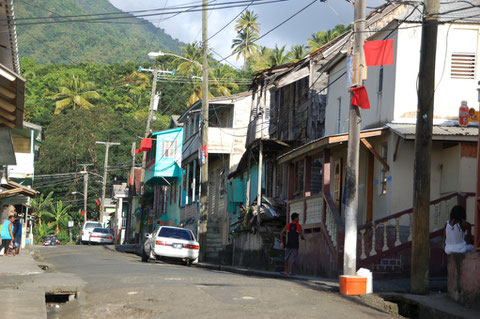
(20, 300)
(389, 295)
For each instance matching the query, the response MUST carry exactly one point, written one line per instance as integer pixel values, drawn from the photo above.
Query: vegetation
(110, 41)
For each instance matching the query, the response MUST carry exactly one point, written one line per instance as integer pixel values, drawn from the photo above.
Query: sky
(187, 26)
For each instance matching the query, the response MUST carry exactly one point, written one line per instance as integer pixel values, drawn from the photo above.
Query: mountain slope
(112, 41)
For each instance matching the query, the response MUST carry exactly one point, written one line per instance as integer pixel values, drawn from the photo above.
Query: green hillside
(113, 41)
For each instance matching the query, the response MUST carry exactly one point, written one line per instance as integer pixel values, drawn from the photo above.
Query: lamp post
(154, 55)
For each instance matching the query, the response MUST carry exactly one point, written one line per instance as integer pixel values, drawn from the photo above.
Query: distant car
(87, 229)
(51, 240)
(100, 236)
(171, 243)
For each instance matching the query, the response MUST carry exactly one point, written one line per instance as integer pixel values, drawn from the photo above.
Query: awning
(316, 145)
(12, 98)
(12, 188)
(440, 132)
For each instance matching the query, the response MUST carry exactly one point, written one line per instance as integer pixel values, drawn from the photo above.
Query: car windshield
(101, 230)
(92, 225)
(175, 233)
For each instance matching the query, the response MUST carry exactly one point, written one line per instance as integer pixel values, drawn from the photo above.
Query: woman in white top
(454, 232)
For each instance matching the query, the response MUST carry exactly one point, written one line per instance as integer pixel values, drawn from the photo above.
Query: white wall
(398, 100)
(24, 167)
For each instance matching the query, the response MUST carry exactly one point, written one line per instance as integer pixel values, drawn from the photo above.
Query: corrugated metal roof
(440, 132)
(462, 11)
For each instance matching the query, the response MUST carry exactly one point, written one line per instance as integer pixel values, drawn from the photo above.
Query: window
(316, 180)
(463, 65)
(175, 233)
(169, 148)
(383, 175)
(339, 114)
(380, 80)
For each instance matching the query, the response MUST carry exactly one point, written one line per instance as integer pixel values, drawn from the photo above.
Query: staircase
(214, 241)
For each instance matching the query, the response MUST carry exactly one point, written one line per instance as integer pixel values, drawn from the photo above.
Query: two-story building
(227, 131)
(387, 144)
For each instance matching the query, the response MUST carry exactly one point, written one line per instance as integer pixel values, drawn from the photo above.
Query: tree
(58, 215)
(193, 52)
(321, 38)
(223, 81)
(278, 56)
(247, 29)
(77, 92)
(40, 206)
(248, 20)
(298, 52)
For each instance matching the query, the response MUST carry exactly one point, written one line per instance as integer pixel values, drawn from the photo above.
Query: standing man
(17, 233)
(294, 230)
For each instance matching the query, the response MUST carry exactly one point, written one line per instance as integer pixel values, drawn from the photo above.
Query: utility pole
(85, 189)
(204, 169)
(419, 275)
(260, 151)
(147, 127)
(105, 170)
(351, 202)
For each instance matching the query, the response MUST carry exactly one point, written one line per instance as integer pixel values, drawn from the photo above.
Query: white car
(87, 229)
(171, 243)
(100, 236)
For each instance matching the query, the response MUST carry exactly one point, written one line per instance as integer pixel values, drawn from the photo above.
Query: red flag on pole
(98, 202)
(360, 97)
(378, 52)
(82, 213)
(205, 151)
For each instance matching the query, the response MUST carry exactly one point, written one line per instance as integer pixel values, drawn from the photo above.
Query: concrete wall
(463, 279)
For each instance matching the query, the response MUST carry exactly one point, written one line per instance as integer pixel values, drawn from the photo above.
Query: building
(228, 124)
(164, 174)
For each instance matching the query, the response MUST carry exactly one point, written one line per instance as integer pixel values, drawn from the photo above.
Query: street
(121, 286)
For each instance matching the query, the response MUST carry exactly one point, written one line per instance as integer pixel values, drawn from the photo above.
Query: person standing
(293, 230)
(17, 233)
(7, 234)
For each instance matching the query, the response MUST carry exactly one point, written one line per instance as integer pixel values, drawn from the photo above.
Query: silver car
(100, 236)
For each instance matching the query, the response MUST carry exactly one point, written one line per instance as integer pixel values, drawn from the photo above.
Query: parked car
(51, 240)
(100, 236)
(171, 243)
(87, 229)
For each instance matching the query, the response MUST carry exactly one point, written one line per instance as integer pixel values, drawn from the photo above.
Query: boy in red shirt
(294, 230)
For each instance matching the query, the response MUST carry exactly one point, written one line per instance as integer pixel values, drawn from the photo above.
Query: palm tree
(193, 52)
(222, 81)
(244, 44)
(40, 206)
(298, 52)
(248, 20)
(58, 214)
(321, 38)
(278, 56)
(77, 92)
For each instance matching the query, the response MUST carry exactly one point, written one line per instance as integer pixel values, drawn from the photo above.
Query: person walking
(293, 230)
(7, 235)
(17, 233)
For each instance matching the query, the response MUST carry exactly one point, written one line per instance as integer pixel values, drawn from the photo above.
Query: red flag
(146, 144)
(98, 202)
(205, 151)
(360, 97)
(137, 151)
(378, 52)
(82, 213)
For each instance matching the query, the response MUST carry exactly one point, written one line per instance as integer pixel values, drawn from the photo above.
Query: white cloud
(187, 27)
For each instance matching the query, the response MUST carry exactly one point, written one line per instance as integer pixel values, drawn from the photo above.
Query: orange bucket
(353, 285)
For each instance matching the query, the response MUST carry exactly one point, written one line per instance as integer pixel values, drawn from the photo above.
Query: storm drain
(59, 297)
(406, 308)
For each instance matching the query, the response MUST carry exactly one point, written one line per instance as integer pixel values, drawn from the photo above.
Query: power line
(220, 6)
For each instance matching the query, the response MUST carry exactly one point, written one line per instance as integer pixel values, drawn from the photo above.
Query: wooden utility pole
(419, 276)
(351, 201)
(260, 151)
(147, 127)
(204, 169)
(85, 190)
(105, 170)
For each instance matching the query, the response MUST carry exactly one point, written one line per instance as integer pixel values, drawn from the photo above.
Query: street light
(154, 55)
(80, 193)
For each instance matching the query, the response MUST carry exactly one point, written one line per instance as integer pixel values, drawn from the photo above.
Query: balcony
(220, 141)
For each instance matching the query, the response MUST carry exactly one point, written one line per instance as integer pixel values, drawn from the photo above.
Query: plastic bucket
(353, 285)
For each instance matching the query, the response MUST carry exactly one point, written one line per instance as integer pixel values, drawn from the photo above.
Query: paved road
(121, 286)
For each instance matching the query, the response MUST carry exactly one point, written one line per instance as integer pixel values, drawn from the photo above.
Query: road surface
(118, 285)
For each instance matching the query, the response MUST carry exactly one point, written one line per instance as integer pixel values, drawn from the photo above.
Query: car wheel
(144, 255)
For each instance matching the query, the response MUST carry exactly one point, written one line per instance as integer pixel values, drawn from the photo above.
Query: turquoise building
(165, 175)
